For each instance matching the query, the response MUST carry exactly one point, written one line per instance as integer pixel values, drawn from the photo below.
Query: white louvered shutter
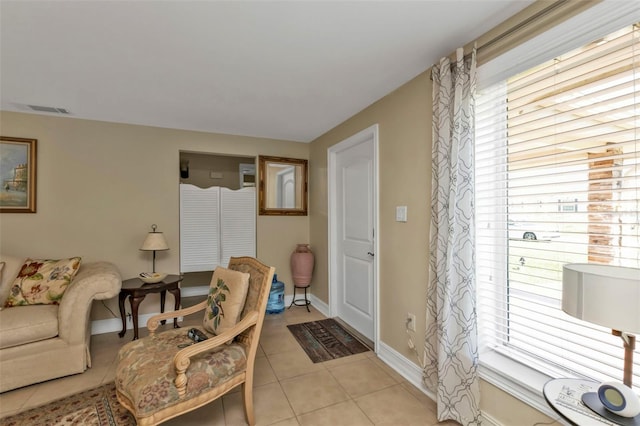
(199, 228)
(238, 223)
(215, 224)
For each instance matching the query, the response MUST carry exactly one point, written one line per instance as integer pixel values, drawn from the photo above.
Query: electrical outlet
(411, 321)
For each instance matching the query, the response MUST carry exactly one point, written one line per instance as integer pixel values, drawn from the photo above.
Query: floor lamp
(608, 296)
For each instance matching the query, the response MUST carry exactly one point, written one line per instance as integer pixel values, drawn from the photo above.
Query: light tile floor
(289, 388)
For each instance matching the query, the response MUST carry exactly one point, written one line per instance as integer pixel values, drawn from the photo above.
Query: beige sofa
(42, 342)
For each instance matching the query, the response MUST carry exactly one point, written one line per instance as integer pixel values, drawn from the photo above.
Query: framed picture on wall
(17, 175)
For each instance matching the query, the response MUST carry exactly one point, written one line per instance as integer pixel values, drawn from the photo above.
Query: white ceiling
(277, 69)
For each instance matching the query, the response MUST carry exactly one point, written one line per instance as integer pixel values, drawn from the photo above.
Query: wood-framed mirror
(282, 186)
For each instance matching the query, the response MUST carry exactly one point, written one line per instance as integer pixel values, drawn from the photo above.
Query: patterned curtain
(451, 347)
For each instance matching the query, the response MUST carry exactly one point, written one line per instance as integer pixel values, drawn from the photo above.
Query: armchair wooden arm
(154, 321)
(183, 358)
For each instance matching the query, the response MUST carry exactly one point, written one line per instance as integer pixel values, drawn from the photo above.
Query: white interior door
(353, 287)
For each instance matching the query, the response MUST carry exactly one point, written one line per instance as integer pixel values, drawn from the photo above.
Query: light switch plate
(401, 213)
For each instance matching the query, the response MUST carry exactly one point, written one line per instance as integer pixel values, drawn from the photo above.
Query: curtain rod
(525, 23)
(514, 29)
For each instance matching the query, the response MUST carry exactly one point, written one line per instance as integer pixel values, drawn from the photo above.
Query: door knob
(370, 254)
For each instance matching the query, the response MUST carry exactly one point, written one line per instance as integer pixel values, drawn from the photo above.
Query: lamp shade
(155, 241)
(602, 294)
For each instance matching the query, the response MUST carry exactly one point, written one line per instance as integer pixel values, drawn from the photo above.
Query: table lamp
(154, 242)
(608, 296)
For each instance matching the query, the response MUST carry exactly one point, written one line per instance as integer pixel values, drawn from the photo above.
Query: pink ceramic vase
(302, 265)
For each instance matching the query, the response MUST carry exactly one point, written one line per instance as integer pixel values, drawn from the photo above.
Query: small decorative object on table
(152, 277)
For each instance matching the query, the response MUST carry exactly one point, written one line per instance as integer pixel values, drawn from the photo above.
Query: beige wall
(404, 118)
(405, 174)
(507, 410)
(101, 185)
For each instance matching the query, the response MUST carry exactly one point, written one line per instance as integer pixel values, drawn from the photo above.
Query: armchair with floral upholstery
(165, 374)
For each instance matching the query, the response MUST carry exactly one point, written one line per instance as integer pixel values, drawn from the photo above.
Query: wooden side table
(136, 290)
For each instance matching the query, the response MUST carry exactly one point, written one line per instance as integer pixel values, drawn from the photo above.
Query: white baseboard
(403, 366)
(201, 290)
(322, 307)
(413, 374)
(204, 290)
(115, 324)
(489, 420)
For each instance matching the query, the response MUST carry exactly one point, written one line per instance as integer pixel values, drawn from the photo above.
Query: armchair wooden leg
(247, 399)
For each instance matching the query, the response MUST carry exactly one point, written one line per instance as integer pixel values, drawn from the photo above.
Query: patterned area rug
(326, 340)
(95, 407)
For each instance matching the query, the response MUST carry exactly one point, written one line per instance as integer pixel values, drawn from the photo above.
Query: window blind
(557, 181)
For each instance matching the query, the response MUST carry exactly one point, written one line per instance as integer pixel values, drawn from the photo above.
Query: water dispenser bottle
(275, 304)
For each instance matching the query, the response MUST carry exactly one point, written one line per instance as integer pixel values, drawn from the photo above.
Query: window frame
(497, 367)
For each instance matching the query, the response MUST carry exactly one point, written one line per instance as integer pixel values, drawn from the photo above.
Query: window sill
(517, 379)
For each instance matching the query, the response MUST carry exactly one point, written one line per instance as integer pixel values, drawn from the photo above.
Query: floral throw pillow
(42, 282)
(227, 294)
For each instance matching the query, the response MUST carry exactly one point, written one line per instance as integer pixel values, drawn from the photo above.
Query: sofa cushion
(227, 294)
(42, 281)
(10, 271)
(26, 324)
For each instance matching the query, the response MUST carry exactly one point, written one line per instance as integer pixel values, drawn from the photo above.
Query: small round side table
(136, 290)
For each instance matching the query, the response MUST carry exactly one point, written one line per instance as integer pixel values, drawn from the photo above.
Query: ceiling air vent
(54, 110)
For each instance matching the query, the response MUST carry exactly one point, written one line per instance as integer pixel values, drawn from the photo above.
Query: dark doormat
(326, 340)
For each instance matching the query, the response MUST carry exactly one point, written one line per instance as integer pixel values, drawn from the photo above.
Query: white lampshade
(155, 241)
(602, 294)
